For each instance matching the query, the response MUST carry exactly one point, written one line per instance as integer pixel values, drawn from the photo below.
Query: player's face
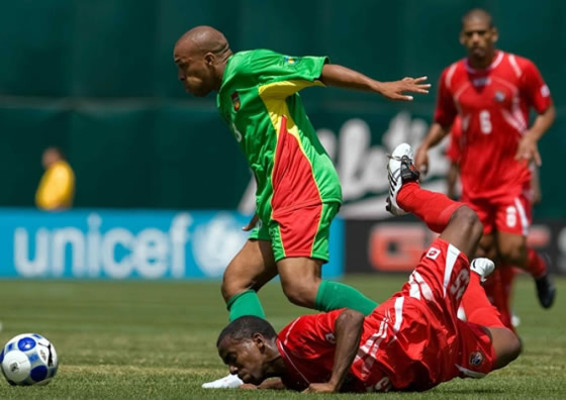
(193, 71)
(244, 358)
(478, 38)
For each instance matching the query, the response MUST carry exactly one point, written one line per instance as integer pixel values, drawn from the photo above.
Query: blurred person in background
(492, 91)
(57, 186)
(502, 279)
(298, 191)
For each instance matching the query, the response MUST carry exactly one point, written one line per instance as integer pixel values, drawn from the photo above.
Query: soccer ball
(29, 359)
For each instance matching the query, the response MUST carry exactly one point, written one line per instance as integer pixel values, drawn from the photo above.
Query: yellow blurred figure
(57, 186)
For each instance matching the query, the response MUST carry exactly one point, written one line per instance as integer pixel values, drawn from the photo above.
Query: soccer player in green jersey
(298, 190)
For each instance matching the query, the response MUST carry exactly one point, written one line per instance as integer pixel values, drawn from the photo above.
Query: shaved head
(479, 15)
(201, 55)
(206, 39)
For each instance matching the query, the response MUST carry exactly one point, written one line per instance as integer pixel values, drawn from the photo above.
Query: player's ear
(209, 59)
(259, 341)
(461, 38)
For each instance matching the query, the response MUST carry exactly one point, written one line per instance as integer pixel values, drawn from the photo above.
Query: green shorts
(304, 232)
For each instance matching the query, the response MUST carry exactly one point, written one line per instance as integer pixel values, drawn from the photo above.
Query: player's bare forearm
(268, 384)
(435, 134)
(543, 122)
(528, 150)
(347, 330)
(339, 76)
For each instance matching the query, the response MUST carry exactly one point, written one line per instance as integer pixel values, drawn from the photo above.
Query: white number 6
(485, 122)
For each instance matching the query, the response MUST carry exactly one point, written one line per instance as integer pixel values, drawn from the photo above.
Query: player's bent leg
(248, 271)
(301, 283)
(506, 345)
(514, 251)
(463, 231)
(300, 279)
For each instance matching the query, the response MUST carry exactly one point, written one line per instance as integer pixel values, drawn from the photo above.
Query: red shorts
(304, 232)
(507, 214)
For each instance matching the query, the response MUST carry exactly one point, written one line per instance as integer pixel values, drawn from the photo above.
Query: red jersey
(412, 341)
(494, 105)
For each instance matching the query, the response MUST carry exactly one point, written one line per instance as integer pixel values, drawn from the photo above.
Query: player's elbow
(350, 319)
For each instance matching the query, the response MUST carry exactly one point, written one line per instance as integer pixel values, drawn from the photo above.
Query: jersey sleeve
(283, 75)
(313, 334)
(445, 111)
(534, 87)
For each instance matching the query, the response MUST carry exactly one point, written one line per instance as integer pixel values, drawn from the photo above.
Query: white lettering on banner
(25, 266)
(361, 166)
(117, 252)
(216, 243)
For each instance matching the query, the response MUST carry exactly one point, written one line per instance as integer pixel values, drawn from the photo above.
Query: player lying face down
(412, 341)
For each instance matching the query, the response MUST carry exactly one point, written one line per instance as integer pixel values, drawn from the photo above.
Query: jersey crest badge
(499, 96)
(290, 60)
(433, 253)
(236, 101)
(476, 358)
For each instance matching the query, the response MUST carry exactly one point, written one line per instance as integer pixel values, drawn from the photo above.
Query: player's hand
(528, 150)
(421, 160)
(320, 388)
(248, 386)
(395, 90)
(251, 225)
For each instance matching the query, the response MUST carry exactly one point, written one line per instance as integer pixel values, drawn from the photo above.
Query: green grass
(137, 340)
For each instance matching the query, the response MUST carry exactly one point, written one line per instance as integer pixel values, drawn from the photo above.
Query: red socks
(498, 288)
(535, 264)
(435, 209)
(477, 307)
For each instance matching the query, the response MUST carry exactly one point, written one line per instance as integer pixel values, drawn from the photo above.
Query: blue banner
(104, 244)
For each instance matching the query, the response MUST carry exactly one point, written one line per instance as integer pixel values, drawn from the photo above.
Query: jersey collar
(496, 61)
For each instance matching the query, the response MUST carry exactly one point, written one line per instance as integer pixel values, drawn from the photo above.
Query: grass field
(137, 340)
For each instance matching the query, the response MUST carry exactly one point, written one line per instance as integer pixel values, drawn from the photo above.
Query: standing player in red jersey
(412, 341)
(492, 92)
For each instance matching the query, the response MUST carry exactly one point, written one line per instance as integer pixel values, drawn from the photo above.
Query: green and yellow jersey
(259, 100)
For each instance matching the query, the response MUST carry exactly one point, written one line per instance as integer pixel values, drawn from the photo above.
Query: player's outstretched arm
(339, 76)
(347, 331)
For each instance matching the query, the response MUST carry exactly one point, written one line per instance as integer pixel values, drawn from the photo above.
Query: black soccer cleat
(546, 291)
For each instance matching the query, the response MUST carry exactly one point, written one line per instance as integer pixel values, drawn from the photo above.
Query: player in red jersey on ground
(413, 341)
(492, 92)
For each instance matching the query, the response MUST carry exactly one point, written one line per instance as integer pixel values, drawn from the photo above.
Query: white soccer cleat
(228, 382)
(400, 170)
(483, 267)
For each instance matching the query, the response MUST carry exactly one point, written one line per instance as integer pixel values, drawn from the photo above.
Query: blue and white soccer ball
(29, 359)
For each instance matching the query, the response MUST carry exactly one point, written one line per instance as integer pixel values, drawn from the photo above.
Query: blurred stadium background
(162, 188)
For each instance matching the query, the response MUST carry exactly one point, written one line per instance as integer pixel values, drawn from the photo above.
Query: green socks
(330, 296)
(334, 295)
(245, 303)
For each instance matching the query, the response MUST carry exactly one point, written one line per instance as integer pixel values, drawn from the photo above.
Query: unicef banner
(96, 244)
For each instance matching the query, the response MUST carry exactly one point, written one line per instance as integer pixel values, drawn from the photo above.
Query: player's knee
(513, 254)
(508, 347)
(232, 285)
(301, 294)
(469, 222)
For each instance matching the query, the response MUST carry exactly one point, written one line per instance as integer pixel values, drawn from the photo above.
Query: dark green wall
(97, 78)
